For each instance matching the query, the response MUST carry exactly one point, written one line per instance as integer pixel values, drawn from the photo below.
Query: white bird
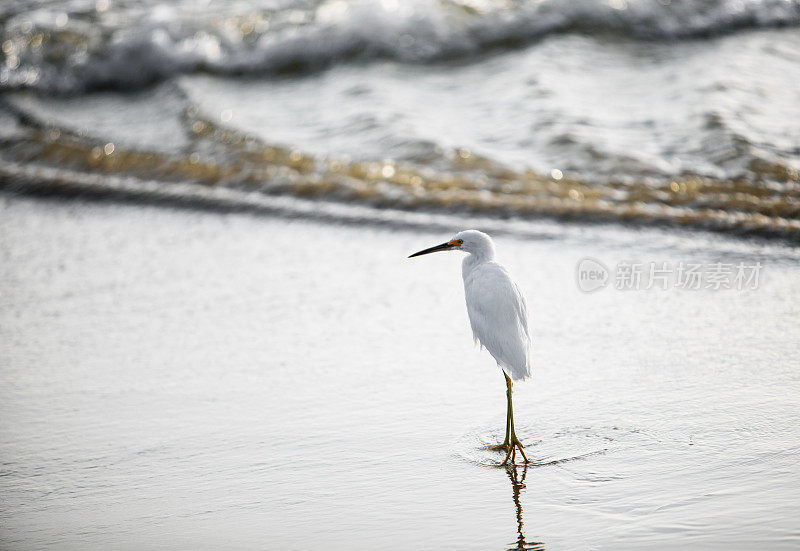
(498, 315)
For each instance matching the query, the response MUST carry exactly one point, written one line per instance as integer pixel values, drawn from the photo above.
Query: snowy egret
(498, 315)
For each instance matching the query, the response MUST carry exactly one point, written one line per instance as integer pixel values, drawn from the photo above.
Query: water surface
(661, 112)
(174, 379)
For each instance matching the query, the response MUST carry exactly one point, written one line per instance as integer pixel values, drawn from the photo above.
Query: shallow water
(180, 380)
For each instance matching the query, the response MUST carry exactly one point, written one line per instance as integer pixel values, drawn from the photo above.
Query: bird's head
(469, 241)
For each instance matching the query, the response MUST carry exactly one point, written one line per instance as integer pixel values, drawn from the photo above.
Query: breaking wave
(84, 47)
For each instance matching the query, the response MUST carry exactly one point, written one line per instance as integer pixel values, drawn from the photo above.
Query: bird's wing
(499, 317)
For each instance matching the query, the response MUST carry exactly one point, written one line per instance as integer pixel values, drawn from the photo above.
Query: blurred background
(679, 112)
(210, 334)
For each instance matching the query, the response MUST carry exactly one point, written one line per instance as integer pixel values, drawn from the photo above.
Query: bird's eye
(460, 241)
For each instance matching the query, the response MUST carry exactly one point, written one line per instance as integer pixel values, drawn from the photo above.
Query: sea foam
(54, 50)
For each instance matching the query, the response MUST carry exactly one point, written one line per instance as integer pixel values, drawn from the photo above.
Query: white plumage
(498, 315)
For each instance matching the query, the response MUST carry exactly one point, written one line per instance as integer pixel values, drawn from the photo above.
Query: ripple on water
(552, 447)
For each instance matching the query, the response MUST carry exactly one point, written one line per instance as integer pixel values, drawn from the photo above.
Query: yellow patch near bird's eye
(455, 242)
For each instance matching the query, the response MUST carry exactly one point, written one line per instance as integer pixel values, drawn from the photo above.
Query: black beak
(442, 247)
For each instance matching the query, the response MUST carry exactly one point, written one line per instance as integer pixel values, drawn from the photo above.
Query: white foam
(127, 51)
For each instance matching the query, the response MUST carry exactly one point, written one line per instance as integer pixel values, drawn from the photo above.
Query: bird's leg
(509, 412)
(514, 443)
(507, 442)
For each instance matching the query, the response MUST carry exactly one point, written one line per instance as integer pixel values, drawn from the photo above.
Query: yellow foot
(512, 452)
(498, 447)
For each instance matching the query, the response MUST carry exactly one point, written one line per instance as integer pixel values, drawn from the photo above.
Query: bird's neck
(473, 260)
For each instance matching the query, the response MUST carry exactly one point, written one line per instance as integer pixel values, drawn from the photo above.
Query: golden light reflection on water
(456, 180)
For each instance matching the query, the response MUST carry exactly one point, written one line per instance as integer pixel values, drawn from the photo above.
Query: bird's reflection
(517, 485)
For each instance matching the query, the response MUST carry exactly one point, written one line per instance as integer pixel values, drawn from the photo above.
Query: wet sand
(174, 379)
